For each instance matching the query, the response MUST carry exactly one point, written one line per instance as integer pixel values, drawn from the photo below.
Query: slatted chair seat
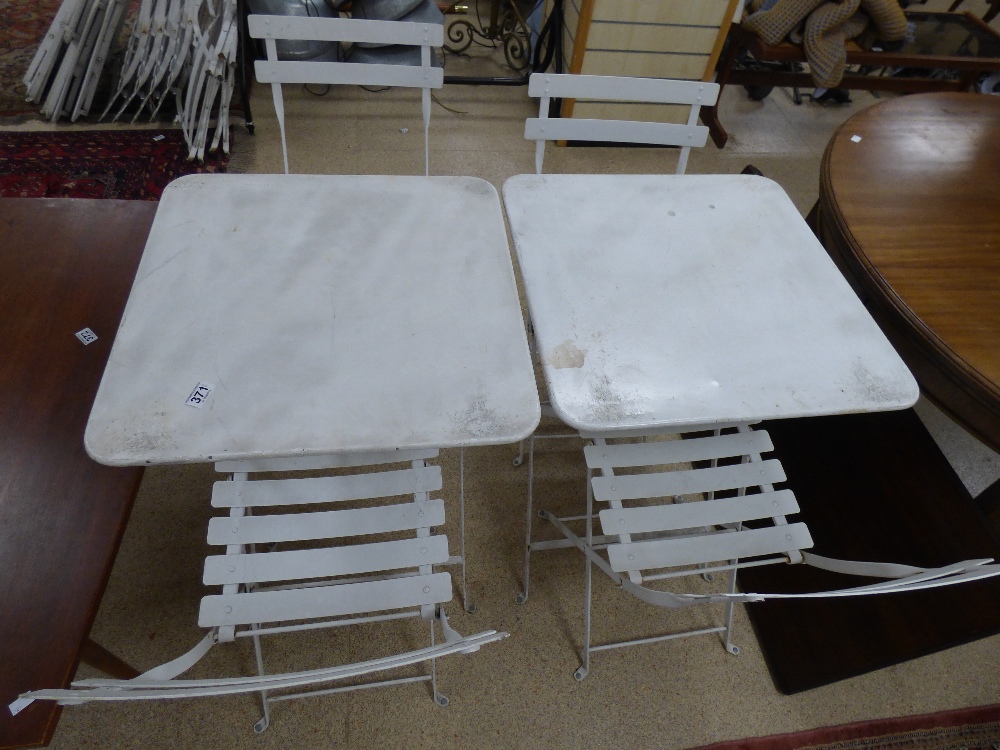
(308, 552)
(666, 518)
(361, 32)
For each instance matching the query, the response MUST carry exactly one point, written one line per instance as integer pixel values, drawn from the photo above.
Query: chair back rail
(355, 559)
(694, 94)
(328, 524)
(356, 31)
(324, 601)
(272, 492)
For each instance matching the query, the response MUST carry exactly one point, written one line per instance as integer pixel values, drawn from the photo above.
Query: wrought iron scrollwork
(507, 27)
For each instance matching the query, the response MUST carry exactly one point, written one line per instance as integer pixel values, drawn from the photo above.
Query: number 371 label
(199, 395)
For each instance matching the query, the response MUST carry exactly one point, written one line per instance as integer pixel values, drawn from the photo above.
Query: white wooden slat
(315, 463)
(623, 89)
(324, 601)
(698, 513)
(677, 451)
(717, 547)
(276, 492)
(649, 431)
(614, 131)
(297, 565)
(662, 484)
(346, 30)
(359, 74)
(331, 524)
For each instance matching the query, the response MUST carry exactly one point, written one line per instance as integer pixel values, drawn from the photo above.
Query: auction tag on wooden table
(86, 336)
(199, 395)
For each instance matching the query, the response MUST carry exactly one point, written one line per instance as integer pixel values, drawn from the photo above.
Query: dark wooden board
(65, 265)
(871, 487)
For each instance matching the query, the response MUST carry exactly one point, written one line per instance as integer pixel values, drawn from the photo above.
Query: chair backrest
(546, 86)
(299, 28)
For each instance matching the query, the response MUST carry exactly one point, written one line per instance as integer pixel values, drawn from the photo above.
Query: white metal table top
(325, 314)
(672, 301)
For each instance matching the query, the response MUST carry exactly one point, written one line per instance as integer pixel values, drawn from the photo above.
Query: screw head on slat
(229, 610)
(427, 589)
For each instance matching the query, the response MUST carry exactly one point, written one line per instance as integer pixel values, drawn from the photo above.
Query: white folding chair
(312, 552)
(548, 86)
(665, 519)
(276, 72)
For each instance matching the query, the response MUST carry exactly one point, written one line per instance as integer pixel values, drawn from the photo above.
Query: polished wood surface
(911, 213)
(65, 265)
(871, 487)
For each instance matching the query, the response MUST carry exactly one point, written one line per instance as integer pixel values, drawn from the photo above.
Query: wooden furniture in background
(643, 38)
(989, 15)
(955, 42)
(911, 212)
(66, 265)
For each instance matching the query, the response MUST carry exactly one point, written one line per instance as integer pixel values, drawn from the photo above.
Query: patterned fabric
(827, 26)
(827, 30)
(128, 164)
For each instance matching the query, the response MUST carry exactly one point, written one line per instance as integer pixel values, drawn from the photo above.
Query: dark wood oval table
(910, 208)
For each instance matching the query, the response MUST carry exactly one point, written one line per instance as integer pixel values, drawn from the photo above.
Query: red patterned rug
(23, 23)
(962, 729)
(127, 164)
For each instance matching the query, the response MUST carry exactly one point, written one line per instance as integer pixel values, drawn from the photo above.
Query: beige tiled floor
(519, 693)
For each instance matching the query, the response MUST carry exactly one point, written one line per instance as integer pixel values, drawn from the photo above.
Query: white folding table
(676, 304)
(671, 302)
(282, 323)
(322, 315)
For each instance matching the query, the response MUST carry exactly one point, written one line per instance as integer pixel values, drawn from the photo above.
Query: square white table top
(330, 313)
(676, 301)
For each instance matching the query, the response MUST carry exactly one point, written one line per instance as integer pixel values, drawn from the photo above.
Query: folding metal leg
(584, 669)
(441, 700)
(523, 596)
(470, 608)
(265, 720)
(730, 646)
